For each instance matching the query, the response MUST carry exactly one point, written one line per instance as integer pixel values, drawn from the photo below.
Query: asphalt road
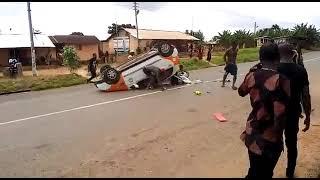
(81, 132)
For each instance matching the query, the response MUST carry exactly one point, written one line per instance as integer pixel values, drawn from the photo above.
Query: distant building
(18, 46)
(261, 40)
(85, 46)
(126, 40)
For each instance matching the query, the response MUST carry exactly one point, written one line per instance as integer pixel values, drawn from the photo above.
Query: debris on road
(197, 81)
(197, 93)
(219, 117)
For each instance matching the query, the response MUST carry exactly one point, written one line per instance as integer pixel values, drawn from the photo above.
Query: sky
(93, 18)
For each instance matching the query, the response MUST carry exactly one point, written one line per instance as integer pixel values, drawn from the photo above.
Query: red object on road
(219, 117)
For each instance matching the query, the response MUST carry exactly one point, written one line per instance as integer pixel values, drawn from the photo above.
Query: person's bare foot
(234, 88)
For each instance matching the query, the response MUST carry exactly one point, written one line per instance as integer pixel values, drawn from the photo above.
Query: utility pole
(33, 53)
(136, 12)
(255, 28)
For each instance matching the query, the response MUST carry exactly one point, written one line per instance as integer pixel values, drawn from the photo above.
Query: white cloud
(210, 17)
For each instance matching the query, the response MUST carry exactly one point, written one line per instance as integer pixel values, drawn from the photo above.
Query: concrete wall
(4, 57)
(86, 50)
(25, 55)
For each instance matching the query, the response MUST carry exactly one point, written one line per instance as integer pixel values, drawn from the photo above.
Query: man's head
(269, 52)
(94, 55)
(233, 44)
(286, 51)
(181, 67)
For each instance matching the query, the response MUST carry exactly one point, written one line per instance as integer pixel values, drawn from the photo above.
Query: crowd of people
(277, 87)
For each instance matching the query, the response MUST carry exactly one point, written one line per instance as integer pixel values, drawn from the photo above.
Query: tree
(274, 31)
(309, 33)
(77, 33)
(198, 34)
(114, 27)
(224, 38)
(70, 59)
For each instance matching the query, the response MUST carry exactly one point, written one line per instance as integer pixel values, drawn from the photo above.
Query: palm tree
(309, 33)
(224, 38)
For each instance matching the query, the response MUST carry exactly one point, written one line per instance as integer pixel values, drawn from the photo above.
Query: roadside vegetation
(39, 83)
(244, 55)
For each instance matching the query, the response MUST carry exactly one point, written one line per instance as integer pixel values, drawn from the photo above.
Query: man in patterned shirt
(269, 95)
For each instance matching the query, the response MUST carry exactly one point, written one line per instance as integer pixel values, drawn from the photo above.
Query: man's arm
(225, 55)
(244, 88)
(306, 103)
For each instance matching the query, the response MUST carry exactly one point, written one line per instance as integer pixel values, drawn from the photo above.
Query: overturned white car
(130, 75)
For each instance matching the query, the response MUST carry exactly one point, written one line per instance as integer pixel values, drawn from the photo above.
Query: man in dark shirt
(154, 75)
(298, 77)
(231, 64)
(269, 95)
(92, 67)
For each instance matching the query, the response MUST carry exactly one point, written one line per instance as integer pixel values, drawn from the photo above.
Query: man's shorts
(232, 69)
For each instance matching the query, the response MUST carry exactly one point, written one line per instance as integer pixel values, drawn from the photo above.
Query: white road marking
(117, 100)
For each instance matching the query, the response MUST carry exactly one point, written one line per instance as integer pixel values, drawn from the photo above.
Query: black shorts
(232, 69)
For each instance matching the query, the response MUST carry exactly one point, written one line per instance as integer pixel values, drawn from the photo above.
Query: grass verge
(39, 83)
(194, 64)
(244, 55)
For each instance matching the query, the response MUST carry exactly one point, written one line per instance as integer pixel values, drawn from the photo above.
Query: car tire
(165, 49)
(104, 68)
(110, 75)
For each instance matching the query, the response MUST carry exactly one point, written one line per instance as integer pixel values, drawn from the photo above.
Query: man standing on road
(269, 95)
(299, 86)
(92, 67)
(231, 64)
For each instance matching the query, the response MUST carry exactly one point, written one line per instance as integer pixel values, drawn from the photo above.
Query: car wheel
(104, 68)
(110, 75)
(165, 49)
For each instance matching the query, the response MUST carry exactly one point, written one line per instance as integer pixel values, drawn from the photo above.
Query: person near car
(230, 57)
(299, 86)
(92, 67)
(106, 55)
(153, 74)
(131, 55)
(209, 53)
(269, 95)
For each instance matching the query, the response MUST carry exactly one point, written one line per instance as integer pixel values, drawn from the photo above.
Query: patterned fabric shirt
(269, 95)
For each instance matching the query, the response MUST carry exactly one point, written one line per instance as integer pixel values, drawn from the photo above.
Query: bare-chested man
(231, 64)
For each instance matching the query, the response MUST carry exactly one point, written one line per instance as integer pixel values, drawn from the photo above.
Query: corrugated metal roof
(159, 34)
(74, 39)
(23, 41)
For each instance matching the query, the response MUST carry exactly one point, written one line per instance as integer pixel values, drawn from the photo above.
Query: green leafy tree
(309, 33)
(198, 34)
(224, 38)
(115, 27)
(70, 59)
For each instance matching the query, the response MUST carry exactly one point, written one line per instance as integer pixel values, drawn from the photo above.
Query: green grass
(40, 83)
(194, 64)
(244, 55)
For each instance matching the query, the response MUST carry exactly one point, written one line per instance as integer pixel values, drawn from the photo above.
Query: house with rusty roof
(84, 45)
(126, 40)
(18, 46)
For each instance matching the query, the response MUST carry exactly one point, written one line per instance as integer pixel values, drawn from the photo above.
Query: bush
(70, 59)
